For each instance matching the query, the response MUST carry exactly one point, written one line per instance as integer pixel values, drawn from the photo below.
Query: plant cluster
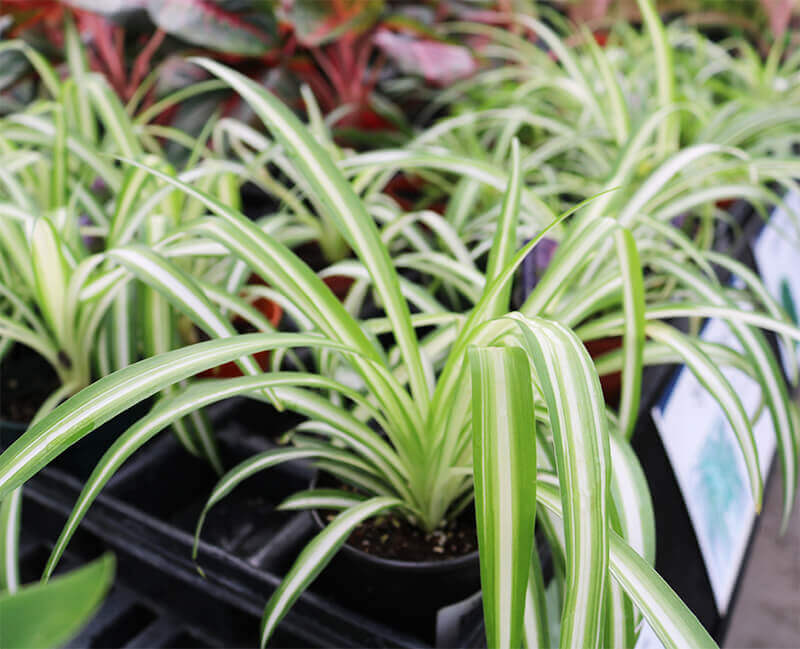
(67, 204)
(428, 386)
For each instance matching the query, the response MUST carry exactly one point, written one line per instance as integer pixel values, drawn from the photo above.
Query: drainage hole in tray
(126, 627)
(33, 561)
(187, 641)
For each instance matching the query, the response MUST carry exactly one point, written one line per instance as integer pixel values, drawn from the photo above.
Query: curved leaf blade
(571, 389)
(109, 396)
(313, 559)
(504, 457)
(674, 624)
(349, 213)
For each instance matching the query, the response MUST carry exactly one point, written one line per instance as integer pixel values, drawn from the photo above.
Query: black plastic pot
(405, 593)
(126, 618)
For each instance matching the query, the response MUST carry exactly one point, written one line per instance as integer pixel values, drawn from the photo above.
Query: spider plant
(753, 94)
(305, 219)
(396, 423)
(63, 200)
(748, 15)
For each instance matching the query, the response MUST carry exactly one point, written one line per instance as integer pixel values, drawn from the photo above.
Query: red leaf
(779, 12)
(205, 23)
(316, 23)
(588, 10)
(439, 63)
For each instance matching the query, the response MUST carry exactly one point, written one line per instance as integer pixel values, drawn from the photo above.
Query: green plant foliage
(64, 200)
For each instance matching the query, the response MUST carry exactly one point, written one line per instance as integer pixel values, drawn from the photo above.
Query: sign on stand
(698, 439)
(777, 255)
(709, 467)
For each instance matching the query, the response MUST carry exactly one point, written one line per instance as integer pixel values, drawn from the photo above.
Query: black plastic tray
(147, 517)
(125, 619)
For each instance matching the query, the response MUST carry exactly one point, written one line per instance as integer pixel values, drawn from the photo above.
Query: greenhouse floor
(767, 613)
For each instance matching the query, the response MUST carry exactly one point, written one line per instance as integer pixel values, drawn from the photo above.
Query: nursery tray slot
(122, 625)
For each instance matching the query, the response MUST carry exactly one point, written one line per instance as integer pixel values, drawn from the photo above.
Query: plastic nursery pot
(81, 458)
(26, 380)
(611, 383)
(405, 594)
(339, 285)
(273, 312)
(601, 37)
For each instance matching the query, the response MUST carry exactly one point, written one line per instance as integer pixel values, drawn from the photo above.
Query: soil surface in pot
(26, 380)
(393, 537)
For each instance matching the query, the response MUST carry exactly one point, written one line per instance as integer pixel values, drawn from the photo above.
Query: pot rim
(13, 424)
(399, 564)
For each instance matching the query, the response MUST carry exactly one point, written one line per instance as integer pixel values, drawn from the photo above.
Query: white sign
(709, 467)
(647, 638)
(777, 253)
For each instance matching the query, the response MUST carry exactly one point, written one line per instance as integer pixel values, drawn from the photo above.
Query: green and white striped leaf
(536, 627)
(278, 265)
(313, 559)
(720, 388)
(504, 461)
(674, 624)
(181, 290)
(107, 397)
(631, 496)
(505, 238)
(350, 216)
(79, 67)
(321, 499)
(571, 389)
(761, 358)
(247, 469)
(633, 340)
(10, 521)
(668, 130)
(166, 412)
(51, 273)
(118, 126)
